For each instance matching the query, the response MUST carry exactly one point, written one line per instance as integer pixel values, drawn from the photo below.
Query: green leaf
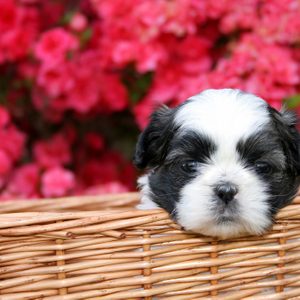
(67, 17)
(85, 36)
(137, 84)
(293, 101)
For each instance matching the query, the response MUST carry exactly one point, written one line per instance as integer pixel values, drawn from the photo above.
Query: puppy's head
(221, 164)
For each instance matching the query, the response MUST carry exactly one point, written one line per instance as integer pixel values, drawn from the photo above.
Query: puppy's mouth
(227, 213)
(222, 220)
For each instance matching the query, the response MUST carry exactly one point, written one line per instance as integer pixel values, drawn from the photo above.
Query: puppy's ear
(285, 123)
(153, 142)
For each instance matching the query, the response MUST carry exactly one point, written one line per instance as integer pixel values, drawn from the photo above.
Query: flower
(114, 96)
(4, 117)
(52, 152)
(25, 181)
(254, 67)
(78, 22)
(55, 79)
(94, 141)
(54, 45)
(5, 163)
(77, 82)
(19, 27)
(8, 15)
(112, 187)
(12, 141)
(56, 182)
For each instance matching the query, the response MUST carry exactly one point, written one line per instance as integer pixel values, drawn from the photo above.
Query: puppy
(222, 163)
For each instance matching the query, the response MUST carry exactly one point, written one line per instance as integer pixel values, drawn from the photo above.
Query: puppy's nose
(226, 191)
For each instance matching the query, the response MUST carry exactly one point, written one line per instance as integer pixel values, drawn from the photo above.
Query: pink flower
(122, 51)
(17, 42)
(279, 21)
(54, 45)
(150, 56)
(55, 79)
(101, 169)
(53, 152)
(146, 23)
(183, 16)
(94, 141)
(27, 70)
(187, 60)
(4, 117)
(25, 181)
(51, 108)
(5, 163)
(192, 53)
(78, 22)
(240, 15)
(113, 94)
(253, 66)
(19, 27)
(85, 92)
(8, 15)
(12, 142)
(64, 71)
(57, 182)
(112, 187)
(50, 12)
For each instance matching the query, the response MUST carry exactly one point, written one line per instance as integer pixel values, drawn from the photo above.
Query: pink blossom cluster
(79, 78)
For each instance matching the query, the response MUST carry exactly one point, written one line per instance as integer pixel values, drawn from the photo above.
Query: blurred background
(78, 79)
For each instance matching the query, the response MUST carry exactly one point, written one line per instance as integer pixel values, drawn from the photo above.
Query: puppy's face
(221, 164)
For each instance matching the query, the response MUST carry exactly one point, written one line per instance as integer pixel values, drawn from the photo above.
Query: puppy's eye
(190, 166)
(262, 167)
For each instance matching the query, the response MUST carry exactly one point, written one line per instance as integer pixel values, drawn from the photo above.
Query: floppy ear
(285, 123)
(153, 142)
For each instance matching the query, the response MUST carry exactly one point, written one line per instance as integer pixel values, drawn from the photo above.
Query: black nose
(226, 191)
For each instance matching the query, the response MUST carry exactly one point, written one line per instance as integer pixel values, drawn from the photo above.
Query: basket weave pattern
(67, 249)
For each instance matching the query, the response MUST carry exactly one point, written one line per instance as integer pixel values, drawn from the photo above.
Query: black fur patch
(191, 145)
(255, 148)
(153, 142)
(167, 181)
(278, 145)
(285, 126)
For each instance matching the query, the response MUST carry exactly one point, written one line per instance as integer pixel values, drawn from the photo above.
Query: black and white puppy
(221, 164)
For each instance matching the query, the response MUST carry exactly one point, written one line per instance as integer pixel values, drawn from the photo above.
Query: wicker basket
(77, 248)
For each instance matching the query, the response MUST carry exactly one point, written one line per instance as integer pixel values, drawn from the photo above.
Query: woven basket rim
(80, 249)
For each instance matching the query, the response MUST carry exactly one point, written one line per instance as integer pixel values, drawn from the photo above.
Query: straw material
(103, 248)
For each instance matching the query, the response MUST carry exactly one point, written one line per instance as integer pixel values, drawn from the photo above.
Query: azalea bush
(80, 78)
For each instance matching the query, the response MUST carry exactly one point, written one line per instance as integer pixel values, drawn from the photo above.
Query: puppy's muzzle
(226, 191)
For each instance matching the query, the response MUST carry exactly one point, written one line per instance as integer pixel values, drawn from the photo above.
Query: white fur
(197, 212)
(225, 116)
(146, 202)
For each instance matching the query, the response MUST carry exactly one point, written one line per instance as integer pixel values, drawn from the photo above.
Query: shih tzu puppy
(222, 163)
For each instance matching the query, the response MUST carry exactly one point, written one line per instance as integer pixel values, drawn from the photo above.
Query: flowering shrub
(79, 78)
